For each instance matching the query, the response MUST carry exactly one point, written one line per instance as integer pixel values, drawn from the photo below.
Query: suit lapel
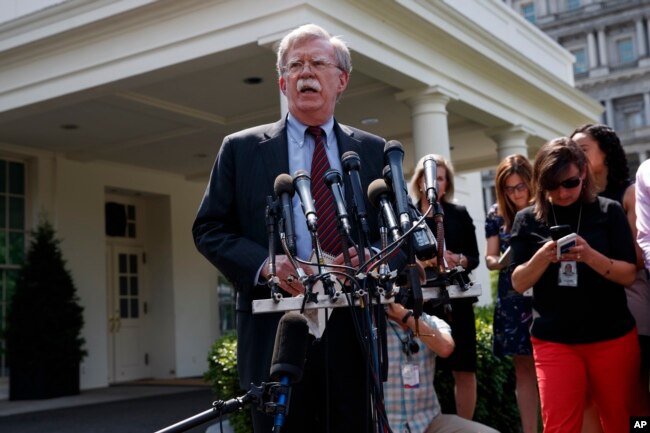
(275, 151)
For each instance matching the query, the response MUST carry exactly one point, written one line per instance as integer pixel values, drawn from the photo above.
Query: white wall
(75, 193)
(469, 194)
(12, 9)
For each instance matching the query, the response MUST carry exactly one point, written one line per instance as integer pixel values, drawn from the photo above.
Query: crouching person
(409, 396)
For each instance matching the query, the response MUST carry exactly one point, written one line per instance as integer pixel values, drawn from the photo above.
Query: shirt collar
(296, 130)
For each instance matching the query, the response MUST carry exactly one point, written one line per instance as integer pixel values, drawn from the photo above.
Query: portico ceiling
(158, 86)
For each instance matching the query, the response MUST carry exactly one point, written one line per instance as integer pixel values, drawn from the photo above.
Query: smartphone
(565, 243)
(560, 231)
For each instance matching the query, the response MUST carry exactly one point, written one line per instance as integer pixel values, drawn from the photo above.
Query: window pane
(528, 11)
(16, 212)
(3, 176)
(130, 212)
(134, 286)
(16, 247)
(3, 211)
(3, 247)
(134, 309)
(625, 50)
(580, 66)
(124, 286)
(131, 230)
(133, 262)
(122, 264)
(572, 4)
(124, 308)
(16, 178)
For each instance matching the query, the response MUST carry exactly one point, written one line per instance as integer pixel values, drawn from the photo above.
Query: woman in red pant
(583, 334)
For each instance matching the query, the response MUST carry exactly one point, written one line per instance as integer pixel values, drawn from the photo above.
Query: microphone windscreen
(351, 161)
(393, 145)
(283, 183)
(376, 189)
(290, 349)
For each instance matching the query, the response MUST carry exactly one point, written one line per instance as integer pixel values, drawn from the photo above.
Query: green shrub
(222, 374)
(496, 403)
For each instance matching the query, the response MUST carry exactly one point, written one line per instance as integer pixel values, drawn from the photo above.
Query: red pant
(608, 369)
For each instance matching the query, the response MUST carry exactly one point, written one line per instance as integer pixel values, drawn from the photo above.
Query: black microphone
(379, 196)
(394, 156)
(302, 185)
(283, 187)
(430, 175)
(289, 354)
(333, 181)
(352, 165)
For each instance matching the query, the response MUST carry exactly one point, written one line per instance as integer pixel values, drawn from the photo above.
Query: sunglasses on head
(569, 183)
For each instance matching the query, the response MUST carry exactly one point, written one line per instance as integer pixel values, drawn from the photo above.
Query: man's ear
(283, 85)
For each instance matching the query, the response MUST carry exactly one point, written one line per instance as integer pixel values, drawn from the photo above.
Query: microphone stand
(264, 396)
(270, 217)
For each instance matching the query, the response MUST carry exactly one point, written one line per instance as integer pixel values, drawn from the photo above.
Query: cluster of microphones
(397, 215)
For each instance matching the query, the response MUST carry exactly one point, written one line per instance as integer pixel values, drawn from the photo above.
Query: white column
(609, 113)
(641, 38)
(602, 47)
(510, 140)
(429, 120)
(591, 49)
(646, 35)
(541, 8)
(646, 108)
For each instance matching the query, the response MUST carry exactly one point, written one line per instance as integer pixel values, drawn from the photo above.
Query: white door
(127, 314)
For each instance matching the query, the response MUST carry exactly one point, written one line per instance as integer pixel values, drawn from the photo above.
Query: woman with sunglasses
(513, 311)
(581, 324)
(609, 167)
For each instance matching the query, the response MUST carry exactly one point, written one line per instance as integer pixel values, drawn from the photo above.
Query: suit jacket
(230, 229)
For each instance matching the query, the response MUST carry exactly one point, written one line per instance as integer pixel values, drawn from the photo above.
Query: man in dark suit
(230, 231)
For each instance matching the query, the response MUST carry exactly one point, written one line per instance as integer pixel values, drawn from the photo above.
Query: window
(226, 299)
(528, 11)
(629, 113)
(12, 238)
(580, 65)
(572, 5)
(625, 51)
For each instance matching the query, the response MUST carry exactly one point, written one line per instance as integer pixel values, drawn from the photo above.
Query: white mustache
(310, 83)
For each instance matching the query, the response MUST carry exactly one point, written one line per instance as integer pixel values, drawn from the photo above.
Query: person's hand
(452, 259)
(354, 258)
(430, 263)
(581, 252)
(287, 276)
(395, 312)
(548, 252)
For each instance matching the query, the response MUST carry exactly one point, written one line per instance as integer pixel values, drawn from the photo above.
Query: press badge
(411, 375)
(568, 274)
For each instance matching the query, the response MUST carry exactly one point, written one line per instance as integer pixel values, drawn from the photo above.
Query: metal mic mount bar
(324, 301)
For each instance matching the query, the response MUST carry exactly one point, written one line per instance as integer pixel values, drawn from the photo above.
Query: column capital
(509, 132)
(436, 94)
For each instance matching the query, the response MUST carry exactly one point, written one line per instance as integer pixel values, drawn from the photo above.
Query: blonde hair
(418, 172)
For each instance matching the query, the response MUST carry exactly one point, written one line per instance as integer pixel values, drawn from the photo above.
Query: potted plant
(44, 321)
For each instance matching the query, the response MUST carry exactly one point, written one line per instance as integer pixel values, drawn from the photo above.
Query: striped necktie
(323, 200)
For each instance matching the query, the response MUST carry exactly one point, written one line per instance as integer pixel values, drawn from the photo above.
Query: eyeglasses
(296, 66)
(569, 183)
(520, 187)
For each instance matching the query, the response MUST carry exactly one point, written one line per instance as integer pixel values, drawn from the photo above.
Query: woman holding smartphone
(581, 323)
(513, 311)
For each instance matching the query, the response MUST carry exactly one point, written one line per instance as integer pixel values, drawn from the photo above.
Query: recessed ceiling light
(369, 121)
(69, 126)
(252, 81)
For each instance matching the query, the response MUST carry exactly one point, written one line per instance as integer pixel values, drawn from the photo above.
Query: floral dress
(513, 311)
